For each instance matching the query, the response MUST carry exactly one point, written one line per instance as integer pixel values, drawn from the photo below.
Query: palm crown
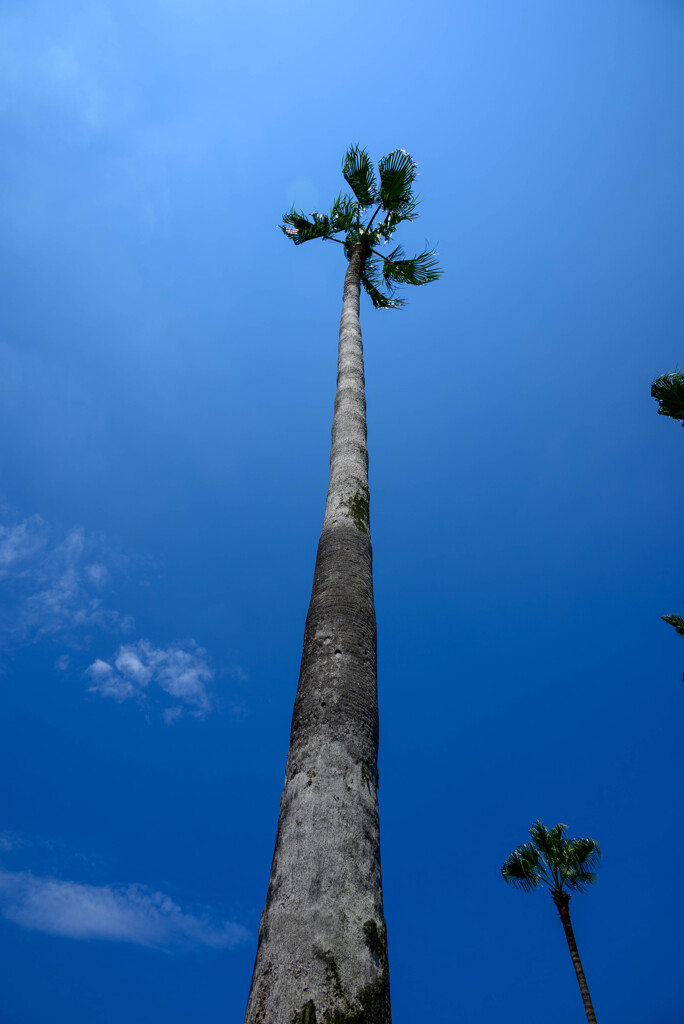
(668, 391)
(391, 198)
(551, 859)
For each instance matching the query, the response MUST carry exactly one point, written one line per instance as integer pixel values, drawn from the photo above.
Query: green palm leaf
(544, 838)
(675, 620)
(299, 228)
(668, 391)
(419, 270)
(342, 213)
(581, 857)
(397, 174)
(580, 881)
(387, 227)
(520, 868)
(372, 283)
(359, 175)
(585, 852)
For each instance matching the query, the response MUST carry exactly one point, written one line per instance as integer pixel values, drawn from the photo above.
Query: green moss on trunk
(371, 1004)
(307, 1014)
(358, 508)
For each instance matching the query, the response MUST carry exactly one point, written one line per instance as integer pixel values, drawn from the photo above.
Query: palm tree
(322, 954)
(564, 866)
(668, 391)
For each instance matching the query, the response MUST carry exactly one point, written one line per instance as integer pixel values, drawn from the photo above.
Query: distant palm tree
(564, 866)
(322, 955)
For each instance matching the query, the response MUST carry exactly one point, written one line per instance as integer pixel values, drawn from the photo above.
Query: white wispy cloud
(54, 585)
(139, 671)
(53, 582)
(126, 913)
(20, 542)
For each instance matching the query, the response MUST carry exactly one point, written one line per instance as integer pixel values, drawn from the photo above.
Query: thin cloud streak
(131, 913)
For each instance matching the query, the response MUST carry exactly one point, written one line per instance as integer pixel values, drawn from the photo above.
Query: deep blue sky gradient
(168, 369)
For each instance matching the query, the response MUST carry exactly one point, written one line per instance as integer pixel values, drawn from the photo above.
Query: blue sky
(168, 368)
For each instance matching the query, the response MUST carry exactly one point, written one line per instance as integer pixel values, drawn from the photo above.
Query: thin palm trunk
(322, 954)
(564, 911)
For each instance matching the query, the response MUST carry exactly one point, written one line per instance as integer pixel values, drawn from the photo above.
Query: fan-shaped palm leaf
(299, 228)
(584, 852)
(675, 620)
(397, 174)
(342, 213)
(387, 227)
(521, 868)
(668, 391)
(545, 839)
(419, 270)
(359, 175)
(579, 881)
(372, 283)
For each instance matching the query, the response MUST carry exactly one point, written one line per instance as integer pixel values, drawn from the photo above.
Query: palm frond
(585, 852)
(580, 881)
(387, 227)
(675, 620)
(408, 210)
(521, 868)
(419, 270)
(342, 213)
(581, 858)
(397, 174)
(359, 175)
(395, 256)
(300, 228)
(668, 391)
(370, 279)
(557, 842)
(545, 839)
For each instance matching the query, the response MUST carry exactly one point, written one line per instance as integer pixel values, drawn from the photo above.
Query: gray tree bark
(322, 954)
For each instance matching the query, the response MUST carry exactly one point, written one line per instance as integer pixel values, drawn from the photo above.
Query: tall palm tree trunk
(564, 911)
(322, 952)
